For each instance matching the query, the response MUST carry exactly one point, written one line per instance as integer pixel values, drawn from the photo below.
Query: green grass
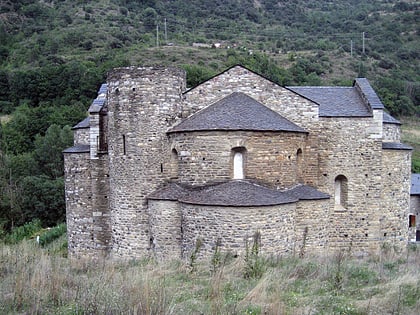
(39, 280)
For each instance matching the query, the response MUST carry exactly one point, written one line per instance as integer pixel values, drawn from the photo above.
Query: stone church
(157, 168)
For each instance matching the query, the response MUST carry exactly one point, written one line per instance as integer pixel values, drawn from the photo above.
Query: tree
(149, 19)
(49, 148)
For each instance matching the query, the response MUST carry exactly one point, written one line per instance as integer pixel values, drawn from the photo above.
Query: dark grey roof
(388, 119)
(80, 148)
(304, 192)
(335, 101)
(368, 93)
(237, 111)
(97, 105)
(83, 124)
(415, 184)
(237, 193)
(395, 146)
(103, 89)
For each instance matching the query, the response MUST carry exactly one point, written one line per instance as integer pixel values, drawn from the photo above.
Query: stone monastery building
(156, 168)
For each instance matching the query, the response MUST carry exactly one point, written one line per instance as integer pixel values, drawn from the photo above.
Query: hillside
(55, 54)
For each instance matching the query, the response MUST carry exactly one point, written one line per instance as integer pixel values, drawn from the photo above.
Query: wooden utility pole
(157, 34)
(363, 43)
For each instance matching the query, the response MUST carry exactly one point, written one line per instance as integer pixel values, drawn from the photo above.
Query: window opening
(124, 145)
(341, 190)
(174, 164)
(411, 220)
(239, 163)
(299, 165)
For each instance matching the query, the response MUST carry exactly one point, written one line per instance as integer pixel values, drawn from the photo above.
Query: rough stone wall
(414, 210)
(395, 196)
(311, 226)
(165, 229)
(391, 133)
(290, 105)
(233, 225)
(142, 104)
(100, 205)
(78, 195)
(81, 136)
(349, 148)
(270, 157)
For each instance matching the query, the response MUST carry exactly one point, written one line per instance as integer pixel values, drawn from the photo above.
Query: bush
(25, 231)
(52, 234)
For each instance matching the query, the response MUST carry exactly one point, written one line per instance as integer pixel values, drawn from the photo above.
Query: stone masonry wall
(270, 157)
(78, 195)
(233, 225)
(142, 104)
(392, 132)
(290, 105)
(414, 210)
(395, 197)
(81, 136)
(311, 226)
(348, 148)
(100, 205)
(166, 228)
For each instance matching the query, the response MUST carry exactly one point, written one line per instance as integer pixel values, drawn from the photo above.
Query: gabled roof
(415, 184)
(237, 111)
(335, 101)
(368, 93)
(83, 124)
(236, 193)
(388, 119)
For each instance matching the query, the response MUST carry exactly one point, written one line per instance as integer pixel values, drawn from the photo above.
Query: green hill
(55, 54)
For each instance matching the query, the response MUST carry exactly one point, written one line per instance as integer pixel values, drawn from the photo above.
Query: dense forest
(55, 54)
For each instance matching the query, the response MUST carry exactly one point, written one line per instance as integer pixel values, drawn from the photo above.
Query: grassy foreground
(36, 280)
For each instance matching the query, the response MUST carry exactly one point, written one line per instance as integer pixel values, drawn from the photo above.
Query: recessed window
(299, 165)
(239, 162)
(341, 191)
(174, 164)
(411, 220)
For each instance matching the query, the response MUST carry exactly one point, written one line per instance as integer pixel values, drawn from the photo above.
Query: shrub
(25, 231)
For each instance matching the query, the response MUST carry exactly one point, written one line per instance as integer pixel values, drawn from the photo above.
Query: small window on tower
(411, 220)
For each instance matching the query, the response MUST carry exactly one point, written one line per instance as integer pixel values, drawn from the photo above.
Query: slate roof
(415, 184)
(97, 105)
(238, 193)
(80, 148)
(388, 119)
(335, 101)
(368, 93)
(83, 124)
(237, 111)
(395, 146)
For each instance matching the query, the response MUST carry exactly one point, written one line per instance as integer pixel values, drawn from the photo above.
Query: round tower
(142, 103)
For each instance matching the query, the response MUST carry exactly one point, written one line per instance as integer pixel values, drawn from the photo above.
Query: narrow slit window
(238, 163)
(411, 220)
(341, 191)
(124, 145)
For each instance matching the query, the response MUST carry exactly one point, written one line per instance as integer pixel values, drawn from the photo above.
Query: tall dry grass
(35, 281)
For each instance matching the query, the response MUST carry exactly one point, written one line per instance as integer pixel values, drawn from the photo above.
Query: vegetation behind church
(55, 54)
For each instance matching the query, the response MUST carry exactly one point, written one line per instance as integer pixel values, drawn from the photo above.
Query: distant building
(414, 214)
(155, 168)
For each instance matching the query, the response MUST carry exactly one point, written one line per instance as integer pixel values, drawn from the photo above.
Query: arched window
(341, 190)
(299, 165)
(174, 164)
(239, 162)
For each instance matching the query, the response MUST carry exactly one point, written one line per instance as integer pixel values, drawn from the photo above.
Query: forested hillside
(55, 54)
